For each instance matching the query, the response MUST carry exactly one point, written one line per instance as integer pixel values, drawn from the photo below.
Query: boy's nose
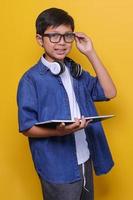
(62, 41)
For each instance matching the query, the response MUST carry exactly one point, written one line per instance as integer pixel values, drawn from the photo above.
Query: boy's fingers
(88, 122)
(61, 125)
(74, 125)
(77, 122)
(83, 122)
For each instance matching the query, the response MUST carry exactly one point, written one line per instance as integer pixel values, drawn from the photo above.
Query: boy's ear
(39, 40)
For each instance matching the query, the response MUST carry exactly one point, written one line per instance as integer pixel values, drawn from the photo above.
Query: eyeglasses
(56, 37)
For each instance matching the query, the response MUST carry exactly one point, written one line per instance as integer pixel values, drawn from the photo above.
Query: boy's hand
(63, 129)
(83, 43)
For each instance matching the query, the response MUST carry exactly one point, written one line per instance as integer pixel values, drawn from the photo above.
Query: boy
(57, 88)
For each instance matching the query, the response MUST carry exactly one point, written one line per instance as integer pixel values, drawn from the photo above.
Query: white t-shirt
(82, 149)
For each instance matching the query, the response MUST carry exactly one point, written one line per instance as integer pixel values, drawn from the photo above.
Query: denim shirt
(41, 96)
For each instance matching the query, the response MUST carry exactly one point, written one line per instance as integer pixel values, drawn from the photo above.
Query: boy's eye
(55, 35)
(69, 35)
(66, 35)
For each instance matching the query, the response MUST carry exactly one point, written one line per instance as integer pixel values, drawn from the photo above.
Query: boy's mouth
(60, 51)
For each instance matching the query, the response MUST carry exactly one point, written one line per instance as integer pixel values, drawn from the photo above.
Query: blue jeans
(72, 191)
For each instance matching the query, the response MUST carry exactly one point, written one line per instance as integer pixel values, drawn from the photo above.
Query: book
(54, 123)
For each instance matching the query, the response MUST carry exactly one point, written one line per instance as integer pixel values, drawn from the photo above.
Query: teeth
(60, 51)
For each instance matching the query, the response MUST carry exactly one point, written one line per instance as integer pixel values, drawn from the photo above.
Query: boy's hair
(53, 17)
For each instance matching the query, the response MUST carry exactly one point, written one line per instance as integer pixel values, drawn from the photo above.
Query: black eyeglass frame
(49, 35)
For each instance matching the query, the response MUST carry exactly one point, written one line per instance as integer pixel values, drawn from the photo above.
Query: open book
(54, 123)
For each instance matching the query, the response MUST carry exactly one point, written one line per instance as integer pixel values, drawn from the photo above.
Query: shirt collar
(45, 62)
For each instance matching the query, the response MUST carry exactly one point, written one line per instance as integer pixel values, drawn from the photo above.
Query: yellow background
(110, 24)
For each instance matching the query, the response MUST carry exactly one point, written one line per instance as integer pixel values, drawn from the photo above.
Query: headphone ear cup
(57, 68)
(76, 70)
(62, 66)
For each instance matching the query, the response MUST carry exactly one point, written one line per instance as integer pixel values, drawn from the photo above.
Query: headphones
(58, 67)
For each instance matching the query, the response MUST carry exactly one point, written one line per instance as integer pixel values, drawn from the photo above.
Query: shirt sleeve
(27, 104)
(95, 88)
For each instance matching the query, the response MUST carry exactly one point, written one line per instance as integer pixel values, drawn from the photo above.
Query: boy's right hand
(63, 129)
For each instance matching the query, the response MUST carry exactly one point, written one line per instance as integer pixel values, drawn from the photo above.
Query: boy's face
(58, 50)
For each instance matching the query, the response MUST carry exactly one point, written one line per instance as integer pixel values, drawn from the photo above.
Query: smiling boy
(58, 88)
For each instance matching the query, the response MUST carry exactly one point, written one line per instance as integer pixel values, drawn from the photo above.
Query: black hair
(53, 17)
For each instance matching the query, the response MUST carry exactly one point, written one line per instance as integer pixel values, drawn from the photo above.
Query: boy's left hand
(83, 43)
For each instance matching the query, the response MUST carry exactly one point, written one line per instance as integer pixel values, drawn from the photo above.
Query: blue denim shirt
(41, 96)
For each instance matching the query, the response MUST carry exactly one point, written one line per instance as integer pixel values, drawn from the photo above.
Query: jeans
(79, 190)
